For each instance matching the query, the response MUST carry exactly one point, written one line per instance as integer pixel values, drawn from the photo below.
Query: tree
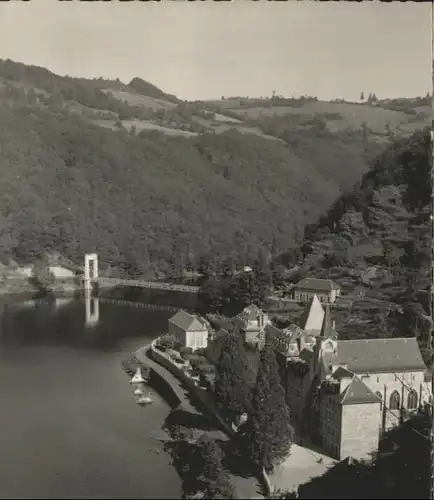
(268, 431)
(213, 295)
(362, 96)
(231, 389)
(213, 479)
(166, 342)
(42, 276)
(284, 494)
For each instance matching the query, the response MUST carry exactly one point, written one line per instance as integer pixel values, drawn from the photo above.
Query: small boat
(138, 378)
(138, 392)
(145, 400)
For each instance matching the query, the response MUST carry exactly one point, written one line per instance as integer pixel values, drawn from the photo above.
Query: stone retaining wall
(166, 361)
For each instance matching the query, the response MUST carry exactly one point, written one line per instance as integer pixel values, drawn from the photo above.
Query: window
(412, 400)
(394, 400)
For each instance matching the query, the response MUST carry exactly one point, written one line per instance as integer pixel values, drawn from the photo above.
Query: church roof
(186, 321)
(379, 355)
(358, 392)
(317, 285)
(312, 318)
(327, 330)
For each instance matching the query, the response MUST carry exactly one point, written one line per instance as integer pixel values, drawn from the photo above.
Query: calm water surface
(69, 426)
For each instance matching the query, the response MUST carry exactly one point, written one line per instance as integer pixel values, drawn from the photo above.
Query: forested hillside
(153, 183)
(377, 240)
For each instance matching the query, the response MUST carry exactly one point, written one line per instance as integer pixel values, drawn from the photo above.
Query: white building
(190, 330)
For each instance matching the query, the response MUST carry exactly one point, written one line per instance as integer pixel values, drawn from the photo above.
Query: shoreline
(242, 484)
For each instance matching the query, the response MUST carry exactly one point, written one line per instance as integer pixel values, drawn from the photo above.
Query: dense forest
(95, 165)
(148, 201)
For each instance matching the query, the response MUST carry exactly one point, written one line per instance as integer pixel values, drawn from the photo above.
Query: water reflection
(86, 322)
(92, 309)
(70, 425)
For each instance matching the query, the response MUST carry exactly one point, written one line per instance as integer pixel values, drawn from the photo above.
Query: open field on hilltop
(352, 115)
(220, 128)
(140, 100)
(227, 119)
(143, 125)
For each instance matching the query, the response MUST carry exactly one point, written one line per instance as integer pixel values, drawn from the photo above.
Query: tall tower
(90, 270)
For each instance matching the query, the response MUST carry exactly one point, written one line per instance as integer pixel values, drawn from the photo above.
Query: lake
(69, 426)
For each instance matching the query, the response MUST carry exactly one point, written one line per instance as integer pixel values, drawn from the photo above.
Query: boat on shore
(138, 384)
(145, 400)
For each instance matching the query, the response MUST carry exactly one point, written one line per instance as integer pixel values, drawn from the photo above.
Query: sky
(205, 50)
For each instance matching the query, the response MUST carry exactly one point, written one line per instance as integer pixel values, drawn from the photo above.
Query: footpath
(181, 393)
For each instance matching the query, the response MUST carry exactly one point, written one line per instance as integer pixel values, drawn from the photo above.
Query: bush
(193, 358)
(185, 351)
(200, 352)
(198, 362)
(206, 369)
(166, 342)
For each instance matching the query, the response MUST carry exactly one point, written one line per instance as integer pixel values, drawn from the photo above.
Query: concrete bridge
(91, 278)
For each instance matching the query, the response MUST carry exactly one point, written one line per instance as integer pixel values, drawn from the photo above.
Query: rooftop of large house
(250, 313)
(377, 355)
(317, 285)
(186, 321)
(247, 315)
(358, 392)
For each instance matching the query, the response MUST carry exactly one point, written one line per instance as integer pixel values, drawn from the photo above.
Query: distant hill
(155, 184)
(382, 117)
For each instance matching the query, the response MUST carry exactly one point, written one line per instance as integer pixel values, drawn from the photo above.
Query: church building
(345, 393)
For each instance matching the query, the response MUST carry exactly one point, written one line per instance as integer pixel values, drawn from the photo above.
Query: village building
(191, 331)
(327, 291)
(251, 323)
(345, 393)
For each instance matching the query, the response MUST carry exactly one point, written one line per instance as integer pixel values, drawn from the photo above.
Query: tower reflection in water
(92, 309)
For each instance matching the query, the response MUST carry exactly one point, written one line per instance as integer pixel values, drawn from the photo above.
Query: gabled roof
(186, 321)
(317, 285)
(358, 393)
(293, 331)
(250, 313)
(286, 340)
(312, 318)
(379, 355)
(341, 373)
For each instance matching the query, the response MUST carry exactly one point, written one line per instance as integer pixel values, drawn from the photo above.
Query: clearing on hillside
(140, 100)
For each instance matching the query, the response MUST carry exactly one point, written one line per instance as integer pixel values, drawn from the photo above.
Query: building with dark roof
(326, 290)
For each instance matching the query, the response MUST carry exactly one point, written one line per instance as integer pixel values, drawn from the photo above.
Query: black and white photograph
(216, 234)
